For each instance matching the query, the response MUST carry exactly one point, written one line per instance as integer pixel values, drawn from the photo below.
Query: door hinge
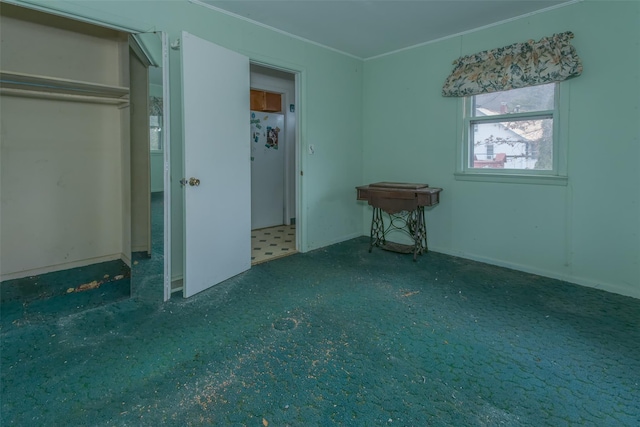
(301, 173)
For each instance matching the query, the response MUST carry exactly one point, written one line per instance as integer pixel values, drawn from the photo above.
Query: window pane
(155, 133)
(524, 100)
(519, 144)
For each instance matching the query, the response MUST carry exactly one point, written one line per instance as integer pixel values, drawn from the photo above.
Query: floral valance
(551, 59)
(155, 106)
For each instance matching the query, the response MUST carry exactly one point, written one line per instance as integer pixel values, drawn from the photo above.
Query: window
(489, 151)
(155, 124)
(512, 132)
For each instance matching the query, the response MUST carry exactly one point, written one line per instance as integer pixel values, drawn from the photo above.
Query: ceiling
(365, 28)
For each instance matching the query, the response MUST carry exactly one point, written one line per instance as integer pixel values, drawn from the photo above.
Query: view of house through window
(512, 129)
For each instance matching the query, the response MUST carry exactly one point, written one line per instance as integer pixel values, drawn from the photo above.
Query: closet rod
(15, 80)
(62, 96)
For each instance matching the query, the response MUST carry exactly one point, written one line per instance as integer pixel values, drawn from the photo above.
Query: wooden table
(404, 203)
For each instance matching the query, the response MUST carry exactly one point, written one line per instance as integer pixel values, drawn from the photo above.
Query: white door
(216, 152)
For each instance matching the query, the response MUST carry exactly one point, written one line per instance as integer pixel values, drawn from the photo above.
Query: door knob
(194, 182)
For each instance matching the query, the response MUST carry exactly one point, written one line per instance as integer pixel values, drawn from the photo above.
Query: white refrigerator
(267, 169)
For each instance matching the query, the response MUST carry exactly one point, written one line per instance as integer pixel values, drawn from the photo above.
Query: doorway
(149, 154)
(273, 166)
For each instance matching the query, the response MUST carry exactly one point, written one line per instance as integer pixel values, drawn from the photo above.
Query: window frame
(556, 176)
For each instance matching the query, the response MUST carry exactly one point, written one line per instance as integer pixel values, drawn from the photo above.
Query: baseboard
(608, 287)
(177, 284)
(140, 248)
(126, 259)
(332, 242)
(64, 266)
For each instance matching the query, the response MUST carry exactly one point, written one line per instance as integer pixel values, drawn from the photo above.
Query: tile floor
(271, 243)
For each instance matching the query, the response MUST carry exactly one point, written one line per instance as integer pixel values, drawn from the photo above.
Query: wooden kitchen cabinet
(266, 101)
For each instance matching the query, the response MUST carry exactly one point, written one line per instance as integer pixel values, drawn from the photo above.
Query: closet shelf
(31, 85)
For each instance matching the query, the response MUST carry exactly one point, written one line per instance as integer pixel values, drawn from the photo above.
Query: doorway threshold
(271, 243)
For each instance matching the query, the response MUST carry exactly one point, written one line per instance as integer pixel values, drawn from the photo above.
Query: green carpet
(38, 298)
(338, 336)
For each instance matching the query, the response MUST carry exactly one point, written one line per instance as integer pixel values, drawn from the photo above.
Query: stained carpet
(41, 297)
(337, 336)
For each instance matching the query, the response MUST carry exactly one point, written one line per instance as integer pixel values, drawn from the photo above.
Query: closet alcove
(74, 149)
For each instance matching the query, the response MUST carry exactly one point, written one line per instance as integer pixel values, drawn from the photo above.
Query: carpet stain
(285, 324)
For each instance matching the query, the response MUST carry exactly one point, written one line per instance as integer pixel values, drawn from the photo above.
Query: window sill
(512, 178)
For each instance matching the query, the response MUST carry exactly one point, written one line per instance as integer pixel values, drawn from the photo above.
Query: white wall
(157, 178)
(586, 231)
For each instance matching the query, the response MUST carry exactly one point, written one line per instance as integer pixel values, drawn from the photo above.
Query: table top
(399, 188)
(398, 185)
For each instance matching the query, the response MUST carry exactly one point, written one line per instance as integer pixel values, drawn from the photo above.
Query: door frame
(166, 183)
(297, 76)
